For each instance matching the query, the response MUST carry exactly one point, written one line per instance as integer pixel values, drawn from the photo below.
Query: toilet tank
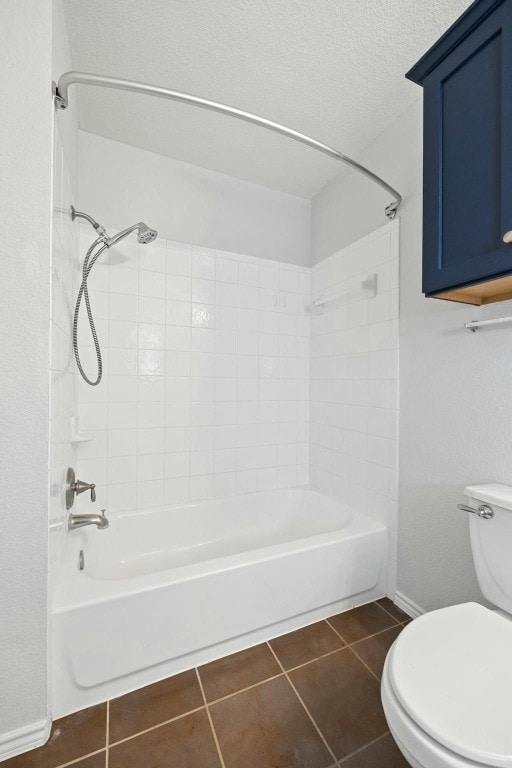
(491, 542)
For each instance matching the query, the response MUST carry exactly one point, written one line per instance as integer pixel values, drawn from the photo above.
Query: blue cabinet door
(468, 158)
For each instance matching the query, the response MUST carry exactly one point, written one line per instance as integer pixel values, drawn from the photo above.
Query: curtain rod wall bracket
(60, 97)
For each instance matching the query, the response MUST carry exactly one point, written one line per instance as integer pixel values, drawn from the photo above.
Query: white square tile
(227, 269)
(203, 263)
(202, 414)
(150, 494)
(153, 256)
(152, 310)
(122, 469)
(151, 284)
(151, 389)
(177, 363)
(176, 414)
(177, 439)
(151, 362)
(202, 438)
(179, 259)
(151, 336)
(247, 481)
(201, 463)
(203, 316)
(203, 291)
(247, 458)
(249, 272)
(248, 297)
(151, 415)
(124, 280)
(201, 487)
(150, 467)
(120, 416)
(122, 442)
(178, 288)
(150, 441)
(178, 313)
(176, 490)
(267, 479)
(177, 338)
(226, 295)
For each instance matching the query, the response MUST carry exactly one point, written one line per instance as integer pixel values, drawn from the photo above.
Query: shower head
(145, 234)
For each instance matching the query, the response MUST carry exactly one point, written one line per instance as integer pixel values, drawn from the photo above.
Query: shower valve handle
(79, 487)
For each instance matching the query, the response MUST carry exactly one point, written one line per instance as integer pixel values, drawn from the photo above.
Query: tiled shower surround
(354, 380)
(206, 375)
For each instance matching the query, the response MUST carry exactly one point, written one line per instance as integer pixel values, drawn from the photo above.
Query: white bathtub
(167, 589)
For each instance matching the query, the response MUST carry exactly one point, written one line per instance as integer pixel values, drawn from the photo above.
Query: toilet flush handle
(483, 511)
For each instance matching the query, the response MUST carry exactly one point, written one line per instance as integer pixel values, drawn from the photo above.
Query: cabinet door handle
(507, 237)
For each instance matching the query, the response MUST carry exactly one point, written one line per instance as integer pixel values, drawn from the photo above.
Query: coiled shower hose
(83, 291)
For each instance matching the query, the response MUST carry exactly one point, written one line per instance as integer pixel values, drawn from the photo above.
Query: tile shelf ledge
(76, 434)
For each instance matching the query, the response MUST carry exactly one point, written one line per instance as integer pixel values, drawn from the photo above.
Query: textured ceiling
(333, 69)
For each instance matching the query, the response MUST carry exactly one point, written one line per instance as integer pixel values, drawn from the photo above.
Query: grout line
(221, 759)
(108, 735)
(154, 727)
(382, 631)
(242, 690)
(78, 759)
(304, 706)
(311, 661)
(357, 751)
(364, 664)
(390, 614)
(375, 634)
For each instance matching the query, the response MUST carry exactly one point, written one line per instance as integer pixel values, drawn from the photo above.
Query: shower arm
(60, 93)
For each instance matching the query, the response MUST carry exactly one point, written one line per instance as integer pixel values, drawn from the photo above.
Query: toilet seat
(450, 674)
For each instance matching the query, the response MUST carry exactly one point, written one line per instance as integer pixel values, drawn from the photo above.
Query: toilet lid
(452, 672)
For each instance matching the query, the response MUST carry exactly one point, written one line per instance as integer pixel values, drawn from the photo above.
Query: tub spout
(78, 521)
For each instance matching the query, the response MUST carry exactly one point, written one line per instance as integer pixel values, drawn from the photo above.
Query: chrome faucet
(78, 521)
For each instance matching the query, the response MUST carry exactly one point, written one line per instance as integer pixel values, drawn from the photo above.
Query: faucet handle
(79, 487)
(75, 487)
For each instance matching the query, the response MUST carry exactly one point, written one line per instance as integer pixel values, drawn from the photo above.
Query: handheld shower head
(145, 234)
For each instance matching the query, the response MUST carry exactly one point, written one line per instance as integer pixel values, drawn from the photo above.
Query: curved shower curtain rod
(69, 78)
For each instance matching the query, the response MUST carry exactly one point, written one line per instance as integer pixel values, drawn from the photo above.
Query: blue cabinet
(467, 167)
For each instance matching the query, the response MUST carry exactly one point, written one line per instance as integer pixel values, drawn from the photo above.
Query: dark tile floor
(309, 699)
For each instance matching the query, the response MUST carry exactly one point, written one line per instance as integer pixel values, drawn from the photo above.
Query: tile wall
(354, 380)
(206, 385)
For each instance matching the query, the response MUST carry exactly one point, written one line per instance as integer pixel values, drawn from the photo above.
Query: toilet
(447, 681)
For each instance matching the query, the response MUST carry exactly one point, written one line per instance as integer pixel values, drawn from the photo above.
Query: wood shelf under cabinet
(489, 292)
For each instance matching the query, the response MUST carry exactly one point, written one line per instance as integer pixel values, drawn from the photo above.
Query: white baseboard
(22, 739)
(409, 606)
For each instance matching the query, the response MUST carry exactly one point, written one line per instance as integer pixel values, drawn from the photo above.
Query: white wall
(64, 268)
(25, 148)
(455, 404)
(354, 381)
(206, 363)
(120, 184)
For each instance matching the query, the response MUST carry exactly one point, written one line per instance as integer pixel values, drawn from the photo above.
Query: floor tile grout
(365, 664)
(154, 727)
(107, 760)
(390, 614)
(214, 733)
(304, 706)
(82, 757)
(360, 749)
(242, 690)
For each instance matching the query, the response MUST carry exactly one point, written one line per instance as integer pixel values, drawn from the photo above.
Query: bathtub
(167, 589)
